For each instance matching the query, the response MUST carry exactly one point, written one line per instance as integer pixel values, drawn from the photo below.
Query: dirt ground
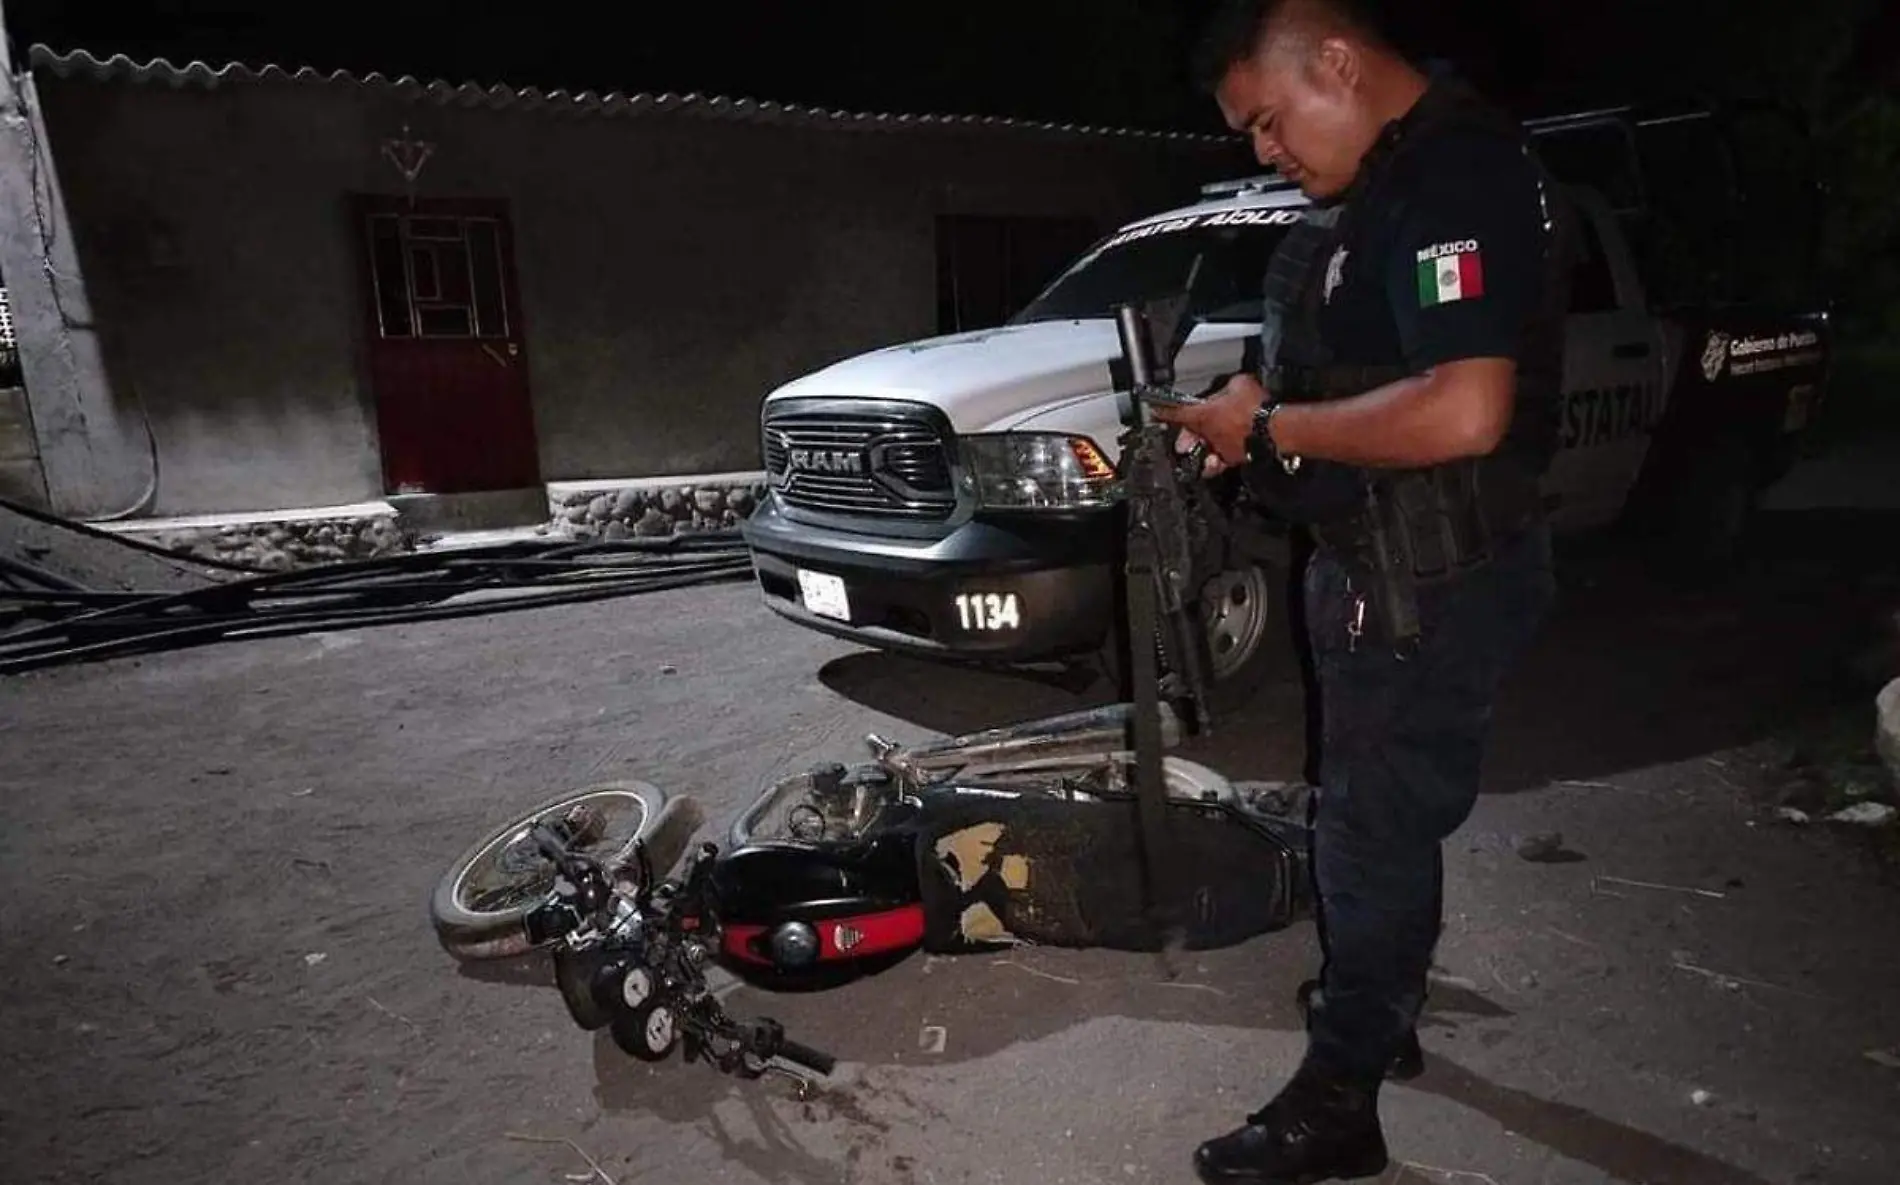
(215, 865)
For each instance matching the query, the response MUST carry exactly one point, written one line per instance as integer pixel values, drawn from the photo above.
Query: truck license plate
(989, 612)
(824, 594)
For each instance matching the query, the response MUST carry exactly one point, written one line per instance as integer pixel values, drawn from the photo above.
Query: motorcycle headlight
(1044, 471)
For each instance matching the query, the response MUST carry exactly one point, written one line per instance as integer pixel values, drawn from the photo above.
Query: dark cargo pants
(1402, 742)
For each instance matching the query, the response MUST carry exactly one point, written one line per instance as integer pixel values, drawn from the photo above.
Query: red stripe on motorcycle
(839, 938)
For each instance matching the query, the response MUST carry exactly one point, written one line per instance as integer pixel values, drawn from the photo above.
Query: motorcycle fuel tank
(794, 907)
(764, 884)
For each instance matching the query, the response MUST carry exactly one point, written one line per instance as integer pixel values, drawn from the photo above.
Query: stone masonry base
(649, 508)
(283, 540)
(279, 542)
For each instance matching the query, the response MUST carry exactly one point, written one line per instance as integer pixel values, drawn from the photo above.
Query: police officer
(1407, 411)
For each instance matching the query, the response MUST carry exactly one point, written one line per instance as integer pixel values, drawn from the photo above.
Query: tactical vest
(1450, 511)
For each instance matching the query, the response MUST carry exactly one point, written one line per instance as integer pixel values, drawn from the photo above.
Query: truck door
(1612, 390)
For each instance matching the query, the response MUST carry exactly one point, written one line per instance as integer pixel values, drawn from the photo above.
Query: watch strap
(1260, 445)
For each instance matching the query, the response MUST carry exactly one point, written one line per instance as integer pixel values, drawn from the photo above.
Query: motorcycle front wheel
(481, 903)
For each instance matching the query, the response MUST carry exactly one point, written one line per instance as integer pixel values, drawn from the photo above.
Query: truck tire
(1246, 637)
(1246, 629)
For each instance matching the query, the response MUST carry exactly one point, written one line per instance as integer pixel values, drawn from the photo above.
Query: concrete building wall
(21, 477)
(215, 248)
(84, 460)
(672, 268)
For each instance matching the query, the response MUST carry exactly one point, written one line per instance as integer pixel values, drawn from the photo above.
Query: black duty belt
(1436, 522)
(1419, 528)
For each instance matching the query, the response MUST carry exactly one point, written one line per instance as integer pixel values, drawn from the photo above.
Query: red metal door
(448, 362)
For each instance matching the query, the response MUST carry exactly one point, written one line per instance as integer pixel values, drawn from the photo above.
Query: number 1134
(989, 611)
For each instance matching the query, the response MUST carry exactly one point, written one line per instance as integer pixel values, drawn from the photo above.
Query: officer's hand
(1223, 420)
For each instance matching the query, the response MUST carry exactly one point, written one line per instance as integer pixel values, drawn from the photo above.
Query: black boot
(1409, 1060)
(1318, 1129)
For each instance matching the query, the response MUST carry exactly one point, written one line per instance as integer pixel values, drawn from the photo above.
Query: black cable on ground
(696, 540)
(72, 623)
(379, 612)
(389, 589)
(314, 621)
(39, 575)
(243, 595)
(346, 576)
(54, 520)
(138, 619)
(36, 605)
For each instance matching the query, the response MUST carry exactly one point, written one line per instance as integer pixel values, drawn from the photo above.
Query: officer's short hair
(1234, 32)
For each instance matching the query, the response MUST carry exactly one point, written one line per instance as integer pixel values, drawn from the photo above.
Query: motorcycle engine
(842, 803)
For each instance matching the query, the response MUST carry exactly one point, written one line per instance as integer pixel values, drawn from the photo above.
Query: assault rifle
(1164, 635)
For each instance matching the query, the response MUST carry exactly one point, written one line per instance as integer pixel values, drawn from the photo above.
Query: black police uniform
(1424, 585)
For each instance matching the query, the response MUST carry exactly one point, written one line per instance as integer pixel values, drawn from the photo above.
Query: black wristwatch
(1260, 444)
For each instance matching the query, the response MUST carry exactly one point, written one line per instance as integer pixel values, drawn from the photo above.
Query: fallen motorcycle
(840, 866)
(1075, 830)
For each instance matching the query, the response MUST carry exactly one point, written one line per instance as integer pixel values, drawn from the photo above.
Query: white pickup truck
(956, 496)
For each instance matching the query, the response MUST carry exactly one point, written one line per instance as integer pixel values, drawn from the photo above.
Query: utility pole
(85, 445)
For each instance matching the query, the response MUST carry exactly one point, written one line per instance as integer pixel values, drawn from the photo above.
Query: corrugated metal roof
(79, 63)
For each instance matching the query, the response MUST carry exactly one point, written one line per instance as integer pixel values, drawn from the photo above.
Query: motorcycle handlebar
(548, 843)
(806, 1056)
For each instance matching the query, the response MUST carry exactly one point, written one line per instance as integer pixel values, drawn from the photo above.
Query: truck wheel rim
(1235, 605)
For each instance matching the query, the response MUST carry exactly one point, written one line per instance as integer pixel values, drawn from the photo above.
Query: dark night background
(1116, 62)
(1096, 61)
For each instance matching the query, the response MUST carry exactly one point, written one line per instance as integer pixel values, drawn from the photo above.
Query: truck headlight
(1016, 471)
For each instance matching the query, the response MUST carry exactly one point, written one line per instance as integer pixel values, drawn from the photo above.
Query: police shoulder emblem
(1715, 356)
(1450, 272)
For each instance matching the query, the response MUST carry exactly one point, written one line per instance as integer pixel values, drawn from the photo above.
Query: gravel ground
(216, 864)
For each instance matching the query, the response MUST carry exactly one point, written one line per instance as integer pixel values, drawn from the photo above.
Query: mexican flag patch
(1448, 272)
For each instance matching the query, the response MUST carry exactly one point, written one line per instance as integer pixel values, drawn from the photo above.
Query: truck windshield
(1137, 266)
